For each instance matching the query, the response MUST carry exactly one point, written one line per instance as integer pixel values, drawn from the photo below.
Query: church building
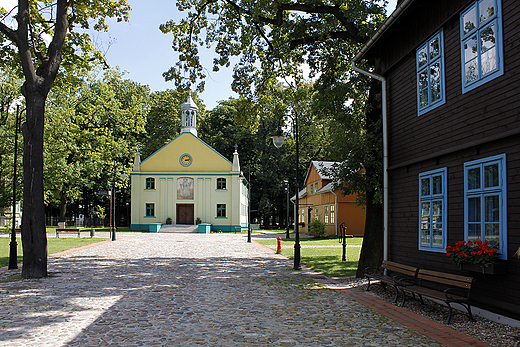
(187, 182)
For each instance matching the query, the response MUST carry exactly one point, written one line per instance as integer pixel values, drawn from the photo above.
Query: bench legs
(451, 313)
(383, 284)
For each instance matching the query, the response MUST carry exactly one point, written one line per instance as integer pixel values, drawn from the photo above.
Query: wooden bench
(391, 273)
(442, 286)
(67, 230)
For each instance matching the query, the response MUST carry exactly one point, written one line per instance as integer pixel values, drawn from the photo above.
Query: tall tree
(85, 123)
(38, 40)
(273, 41)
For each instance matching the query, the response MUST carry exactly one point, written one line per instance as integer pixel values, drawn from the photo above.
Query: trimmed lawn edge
(59, 254)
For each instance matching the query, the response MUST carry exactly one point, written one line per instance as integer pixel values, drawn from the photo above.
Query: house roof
(320, 165)
(380, 33)
(302, 194)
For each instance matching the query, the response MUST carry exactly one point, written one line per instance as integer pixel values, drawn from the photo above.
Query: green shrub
(316, 228)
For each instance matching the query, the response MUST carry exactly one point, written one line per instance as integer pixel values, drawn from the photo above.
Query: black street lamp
(113, 226)
(286, 188)
(278, 141)
(13, 250)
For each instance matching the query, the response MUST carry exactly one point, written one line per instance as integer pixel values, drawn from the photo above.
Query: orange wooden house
(320, 200)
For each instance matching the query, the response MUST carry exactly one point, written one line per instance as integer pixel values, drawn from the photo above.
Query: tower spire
(189, 116)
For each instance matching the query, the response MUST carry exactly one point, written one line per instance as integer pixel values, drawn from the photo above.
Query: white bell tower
(189, 116)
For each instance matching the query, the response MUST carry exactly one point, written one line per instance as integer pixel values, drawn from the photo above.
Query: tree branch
(351, 32)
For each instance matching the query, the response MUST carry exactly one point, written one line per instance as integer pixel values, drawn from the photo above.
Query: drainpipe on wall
(385, 155)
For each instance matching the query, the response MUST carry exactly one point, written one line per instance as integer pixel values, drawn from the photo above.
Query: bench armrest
(404, 281)
(456, 291)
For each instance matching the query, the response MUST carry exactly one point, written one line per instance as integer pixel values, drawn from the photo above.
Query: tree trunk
(34, 237)
(63, 205)
(372, 249)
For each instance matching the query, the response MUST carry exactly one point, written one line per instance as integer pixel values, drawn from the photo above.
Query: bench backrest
(400, 268)
(445, 278)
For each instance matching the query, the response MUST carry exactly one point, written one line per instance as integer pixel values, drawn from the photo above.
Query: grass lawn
(329, 241)
(326, 260)
(54, 245)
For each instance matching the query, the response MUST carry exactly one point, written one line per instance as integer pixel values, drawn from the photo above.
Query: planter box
(204, 228)
(489, 269)
(154, 227)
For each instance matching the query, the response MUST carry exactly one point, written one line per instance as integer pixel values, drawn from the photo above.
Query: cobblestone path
(185, 290)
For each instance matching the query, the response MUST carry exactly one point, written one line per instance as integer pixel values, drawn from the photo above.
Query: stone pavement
(196, 290)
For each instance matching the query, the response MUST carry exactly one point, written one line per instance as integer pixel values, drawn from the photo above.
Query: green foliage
(91, 134)
(316, 228)
(164, 119)
(9, 96)
(99, 212)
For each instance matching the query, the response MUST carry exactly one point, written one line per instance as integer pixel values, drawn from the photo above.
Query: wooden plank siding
(488, 116)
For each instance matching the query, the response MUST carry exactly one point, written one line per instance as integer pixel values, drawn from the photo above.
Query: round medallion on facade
(186, 160)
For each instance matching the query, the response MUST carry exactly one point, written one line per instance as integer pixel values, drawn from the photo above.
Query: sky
(144, 52)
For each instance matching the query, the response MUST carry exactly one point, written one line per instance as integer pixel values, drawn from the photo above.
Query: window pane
(488, 49)
(470, 49)
(492, 208)
(437, 234)
(425, 234)
(474, 178)
(435, 48)
(470, 20)
(437, 211)
(425, 212)
(437, 185)
(493, 235)
(474, 232)
(435, 77)
(425, 186)
(474, 210)
(471, 70)
(422, 56)
(486, 9)
(491, 176)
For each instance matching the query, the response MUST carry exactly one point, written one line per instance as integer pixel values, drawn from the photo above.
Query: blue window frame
(430, 73)
(481, 43)
(221, 183)
(150, 210)
(150, 183)
(432, 210)
(485, 207)
(221, 210)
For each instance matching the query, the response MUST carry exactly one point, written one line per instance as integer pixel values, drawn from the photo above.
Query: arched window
(221, 183)
(150, 183)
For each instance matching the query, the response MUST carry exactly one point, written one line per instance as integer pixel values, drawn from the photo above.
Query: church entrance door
(185, 214)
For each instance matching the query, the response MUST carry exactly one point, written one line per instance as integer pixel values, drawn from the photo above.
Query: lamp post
(13, 246)
(286, 188)
(278, 141)
(113, 203)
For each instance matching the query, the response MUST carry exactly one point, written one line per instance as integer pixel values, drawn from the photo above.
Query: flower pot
(489, 269)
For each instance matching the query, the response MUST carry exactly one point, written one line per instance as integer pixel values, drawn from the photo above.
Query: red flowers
(475, 252)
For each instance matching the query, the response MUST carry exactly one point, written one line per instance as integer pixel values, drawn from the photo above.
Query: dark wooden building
(452, 71)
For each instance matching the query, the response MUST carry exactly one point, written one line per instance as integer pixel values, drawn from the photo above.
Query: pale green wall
(207, 165)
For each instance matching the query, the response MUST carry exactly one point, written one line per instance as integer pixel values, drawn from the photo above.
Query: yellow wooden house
(320, 200)
(188, 182)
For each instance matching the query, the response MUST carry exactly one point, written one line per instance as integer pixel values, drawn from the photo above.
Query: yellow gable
(186, 153)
